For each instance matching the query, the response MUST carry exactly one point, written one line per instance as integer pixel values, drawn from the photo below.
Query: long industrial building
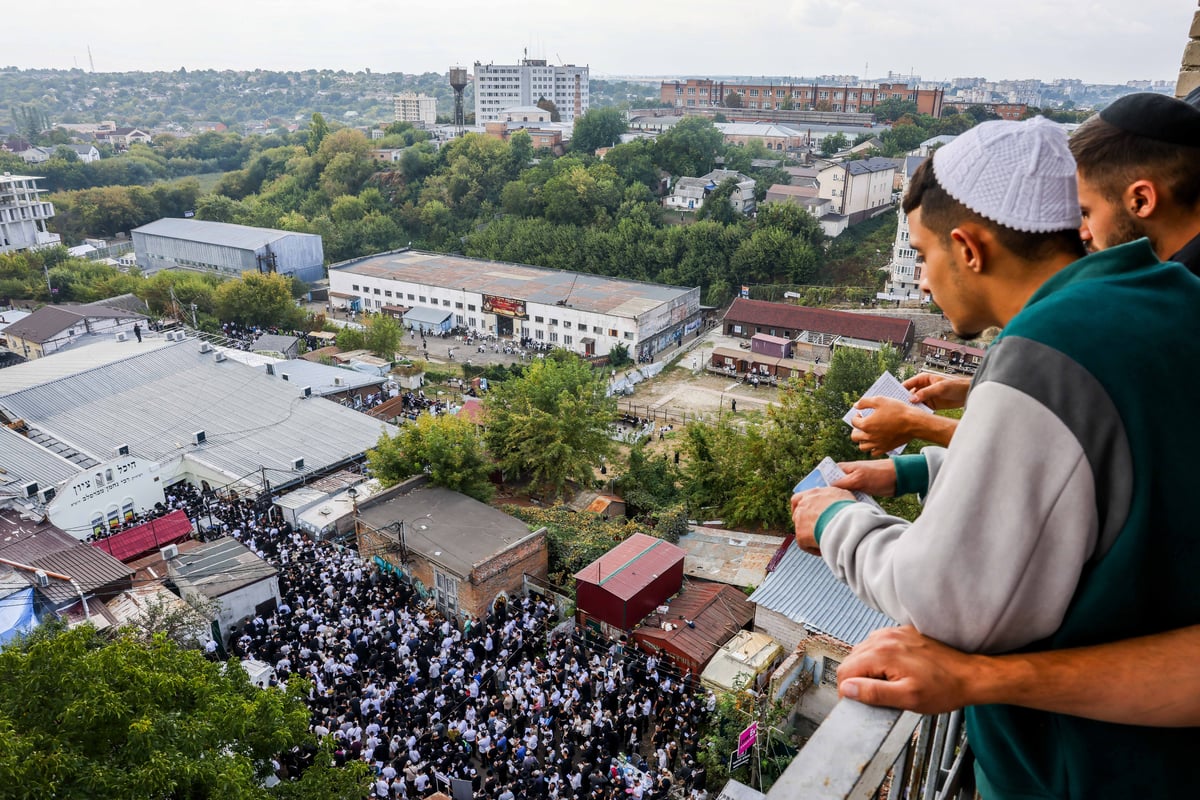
(587, 314)
(227, 249)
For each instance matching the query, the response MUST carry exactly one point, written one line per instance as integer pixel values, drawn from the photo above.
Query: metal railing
(860, 753)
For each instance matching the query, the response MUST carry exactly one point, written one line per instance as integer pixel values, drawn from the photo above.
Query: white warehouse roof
(225, 234)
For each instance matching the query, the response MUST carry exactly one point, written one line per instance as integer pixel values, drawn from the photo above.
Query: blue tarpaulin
(16, 614)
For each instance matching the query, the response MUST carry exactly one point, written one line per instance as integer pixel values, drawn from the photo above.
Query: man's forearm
(932, 428)
(1152, 680)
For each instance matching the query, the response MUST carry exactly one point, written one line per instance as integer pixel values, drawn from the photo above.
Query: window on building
(566, 323)
(553, 322)
(629, 335)
(458, 306)
(613, 332)
(553, 336)
(539, 334)
(420, 298)
(567, 340)
(378, 291)
(595, 329)
(410, 297)
(387, 292)
(470, 306)
(354, 287)
(446, 303)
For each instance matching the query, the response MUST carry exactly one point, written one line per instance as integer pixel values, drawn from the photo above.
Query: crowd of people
(499, 701)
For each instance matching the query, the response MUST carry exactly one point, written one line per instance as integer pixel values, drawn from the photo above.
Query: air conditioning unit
(43, 580)
(205, 347)
(270, 369)
(179, 336)
(199, 437)
(297, 464)
(46, 495)
(306, 391)
(169, 552)
(122, 449)
(122, 337)
(219, 357)
(30, 489)
(339, 381)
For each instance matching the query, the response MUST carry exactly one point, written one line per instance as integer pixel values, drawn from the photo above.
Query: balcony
(863, 753)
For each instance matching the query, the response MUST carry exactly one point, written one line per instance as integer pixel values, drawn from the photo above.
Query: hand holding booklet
(825, 474)
(886, 385)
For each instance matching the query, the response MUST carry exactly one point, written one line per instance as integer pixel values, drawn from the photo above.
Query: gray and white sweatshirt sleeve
(1008, 524)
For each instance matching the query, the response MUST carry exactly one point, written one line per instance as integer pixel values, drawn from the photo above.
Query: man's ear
(1141, 198)
(968, 244)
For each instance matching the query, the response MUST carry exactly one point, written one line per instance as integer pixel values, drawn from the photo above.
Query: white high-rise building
(411, 107)
(501, 86)
(23, 215)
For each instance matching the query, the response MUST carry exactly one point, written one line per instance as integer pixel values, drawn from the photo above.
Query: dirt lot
(685, 390)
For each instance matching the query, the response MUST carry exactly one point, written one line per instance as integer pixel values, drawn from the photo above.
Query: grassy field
(207, 180)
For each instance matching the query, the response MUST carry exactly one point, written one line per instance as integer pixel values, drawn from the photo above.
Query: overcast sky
(1099, 41)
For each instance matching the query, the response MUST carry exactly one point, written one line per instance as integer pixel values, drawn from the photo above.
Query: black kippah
(1156, 116)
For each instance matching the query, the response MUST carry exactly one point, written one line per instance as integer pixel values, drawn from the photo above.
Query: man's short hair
(1113, 158)
(941, 214)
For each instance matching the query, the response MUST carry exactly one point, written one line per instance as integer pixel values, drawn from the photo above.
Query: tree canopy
(551, 423)
(259, 298)
(85, 716)
(449, 448)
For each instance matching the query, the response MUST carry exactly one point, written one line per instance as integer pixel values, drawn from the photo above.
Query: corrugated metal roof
(274, 343)
(221, 567)
(156, 400)
(804, 590)
(22, 460)
(325, 379)
(24, 540)
(87, 354)
(631, 566)
(220, 233)
(49, 321)
(92, 569)
(764, 313)
(716, 611)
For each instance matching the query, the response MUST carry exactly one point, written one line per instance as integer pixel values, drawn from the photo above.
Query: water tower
(458, 82)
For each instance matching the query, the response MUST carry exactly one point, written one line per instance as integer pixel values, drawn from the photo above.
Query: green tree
(834, 143)
(141, 720)
(383, 336)
(618, 356)
(718, 205)
(551, 424)
(351, 339)
(732, 100)
(893, 108)
(318, 129)
(689, 148)
(649, 483)
(573, 539)
(447, 447)
(599, 127)
(256, 298)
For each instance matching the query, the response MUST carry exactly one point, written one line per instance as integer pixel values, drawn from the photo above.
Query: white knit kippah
(1018, 174)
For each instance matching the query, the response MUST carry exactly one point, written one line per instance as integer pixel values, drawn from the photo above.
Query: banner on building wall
(504, 306)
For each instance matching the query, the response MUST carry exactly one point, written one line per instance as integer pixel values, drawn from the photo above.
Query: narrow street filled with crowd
(502, 702)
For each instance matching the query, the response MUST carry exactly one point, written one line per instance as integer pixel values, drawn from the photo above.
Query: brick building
(706, 93)
(465, 553)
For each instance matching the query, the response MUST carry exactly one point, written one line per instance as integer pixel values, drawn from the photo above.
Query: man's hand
(900, 668)
(938, 391)
(807, 508)
(890, 424)
(876, 478)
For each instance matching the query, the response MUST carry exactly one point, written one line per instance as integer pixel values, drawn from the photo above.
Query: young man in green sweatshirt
(1060, 515)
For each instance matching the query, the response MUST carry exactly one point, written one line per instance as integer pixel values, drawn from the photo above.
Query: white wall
(109, 489)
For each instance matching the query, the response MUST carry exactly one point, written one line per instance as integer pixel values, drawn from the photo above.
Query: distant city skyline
(1104, 41)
